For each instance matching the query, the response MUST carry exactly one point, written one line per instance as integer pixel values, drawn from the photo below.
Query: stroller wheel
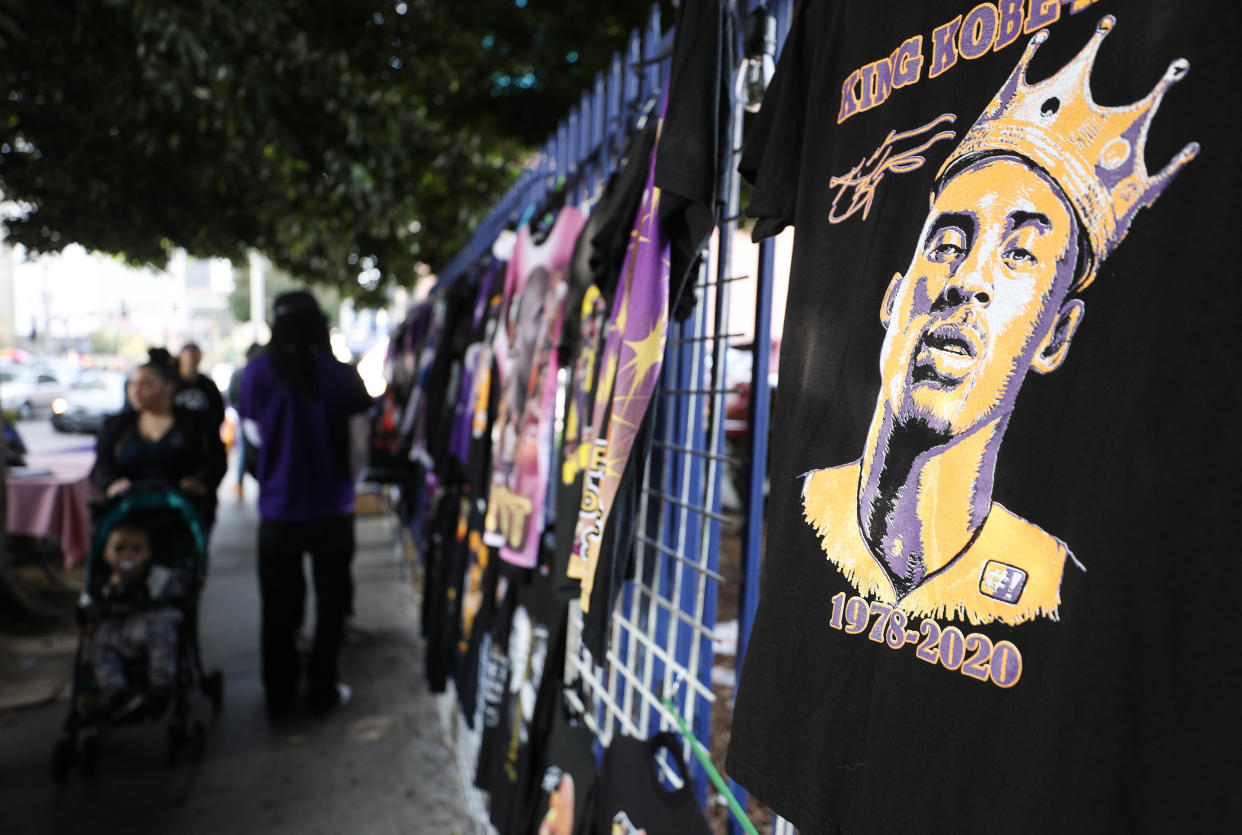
(89, 754)
(213, 689)
(63, 756)
(197, 741)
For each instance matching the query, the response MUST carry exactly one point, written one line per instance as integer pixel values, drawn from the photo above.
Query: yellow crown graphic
(1094, 153)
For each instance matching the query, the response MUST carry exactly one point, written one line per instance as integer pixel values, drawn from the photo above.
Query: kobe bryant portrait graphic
(1040, 191)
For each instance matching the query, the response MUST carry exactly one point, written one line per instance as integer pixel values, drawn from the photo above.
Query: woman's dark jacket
(195, 451)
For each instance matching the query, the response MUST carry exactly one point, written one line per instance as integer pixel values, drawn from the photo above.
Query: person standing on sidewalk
(234, 398)
(305, 413)
(197, 392)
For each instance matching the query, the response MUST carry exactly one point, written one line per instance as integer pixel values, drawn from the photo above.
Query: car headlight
(59, 406)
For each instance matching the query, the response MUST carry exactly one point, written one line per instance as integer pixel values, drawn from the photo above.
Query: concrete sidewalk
(379, 765)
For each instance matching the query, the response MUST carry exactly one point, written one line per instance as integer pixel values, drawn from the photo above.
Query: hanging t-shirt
(444, 378)
(495, 671)
(429, 325)
(955, 634)
(487, 303)
(694, 140)
(632, 797)
(521, 443)
(605, 237)
(481, 561)
(441, 588)
(537, 656)
(629, 371)
(477, 608)
(595, 271)
(566, 800)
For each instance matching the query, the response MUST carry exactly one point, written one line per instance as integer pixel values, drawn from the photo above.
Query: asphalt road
(39, 436)
(378, 765)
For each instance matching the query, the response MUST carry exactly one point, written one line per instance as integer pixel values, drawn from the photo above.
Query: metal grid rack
(661, 631)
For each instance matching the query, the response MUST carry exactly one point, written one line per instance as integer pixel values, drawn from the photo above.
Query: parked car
(90, 399)
(26, 389)
(738, 371)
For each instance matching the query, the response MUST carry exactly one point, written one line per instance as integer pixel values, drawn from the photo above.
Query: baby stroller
(177, 542)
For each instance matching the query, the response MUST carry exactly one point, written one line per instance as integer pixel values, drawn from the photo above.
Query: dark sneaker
(327, 701)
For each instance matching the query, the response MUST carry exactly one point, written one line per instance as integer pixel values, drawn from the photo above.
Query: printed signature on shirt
(860, 183)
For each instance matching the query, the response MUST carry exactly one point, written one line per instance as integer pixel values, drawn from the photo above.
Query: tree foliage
(348, 141)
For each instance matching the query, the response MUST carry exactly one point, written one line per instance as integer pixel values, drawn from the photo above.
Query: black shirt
(1054, 663)
(632, 797)
(201, 395)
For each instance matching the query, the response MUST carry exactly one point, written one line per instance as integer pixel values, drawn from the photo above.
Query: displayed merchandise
(694, 141)
(527, 361)
(566, 801)
(633, 356)
(537, 659)
(632, 796)
(595, 271)
(494, 676)
(477, 611)
(969, 618)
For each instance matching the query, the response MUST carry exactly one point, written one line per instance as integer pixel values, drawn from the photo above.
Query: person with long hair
(156, 442)
(304, 412)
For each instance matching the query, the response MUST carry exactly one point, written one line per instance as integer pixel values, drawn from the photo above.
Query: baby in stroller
(137, 619)
(138, 656)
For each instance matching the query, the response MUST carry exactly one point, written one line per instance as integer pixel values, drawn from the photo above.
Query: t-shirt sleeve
(772, 154)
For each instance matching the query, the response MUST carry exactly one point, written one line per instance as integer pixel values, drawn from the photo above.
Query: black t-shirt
(566, 790)
(537, 660)
(478, 606)
(200, 395)
(1054, 663)
(601, 245)
(495, 673)
(446, 553)
(444, 379)
(632, 797)
(694, 140)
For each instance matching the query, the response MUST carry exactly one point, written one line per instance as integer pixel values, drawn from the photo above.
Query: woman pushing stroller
(138, 655)
(154, 441)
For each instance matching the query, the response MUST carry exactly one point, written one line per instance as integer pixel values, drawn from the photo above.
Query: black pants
(282, 586)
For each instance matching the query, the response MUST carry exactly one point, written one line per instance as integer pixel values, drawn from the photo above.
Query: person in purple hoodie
(305, 412)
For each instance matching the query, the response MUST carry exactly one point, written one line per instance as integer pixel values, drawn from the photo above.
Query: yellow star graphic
(648, 353)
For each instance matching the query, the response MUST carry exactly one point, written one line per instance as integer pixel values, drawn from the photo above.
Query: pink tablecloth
(56, 505)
